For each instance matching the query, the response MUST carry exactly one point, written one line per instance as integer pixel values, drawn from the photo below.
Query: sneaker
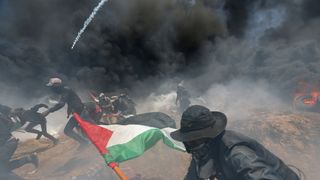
(39, 136)
(33, 159)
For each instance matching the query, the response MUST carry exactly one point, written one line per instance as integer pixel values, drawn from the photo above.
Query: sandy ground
(294, 137)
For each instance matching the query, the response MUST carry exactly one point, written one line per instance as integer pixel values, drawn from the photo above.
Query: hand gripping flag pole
(99, 137)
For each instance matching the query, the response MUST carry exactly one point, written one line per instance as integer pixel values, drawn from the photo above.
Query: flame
(313, 100)
(309, 90)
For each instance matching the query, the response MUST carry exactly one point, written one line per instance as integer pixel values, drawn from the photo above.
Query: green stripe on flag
(171, 142)
(137, 146)
(172, 145)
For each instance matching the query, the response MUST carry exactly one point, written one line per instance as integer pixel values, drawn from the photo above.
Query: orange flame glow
(310, 93)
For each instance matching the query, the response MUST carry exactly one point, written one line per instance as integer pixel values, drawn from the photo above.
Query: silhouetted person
(183, 98)
(8, 145)
(33, 118)
(124, 104)
(75, 105)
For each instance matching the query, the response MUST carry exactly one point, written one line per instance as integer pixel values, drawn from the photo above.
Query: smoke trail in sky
(87, 22)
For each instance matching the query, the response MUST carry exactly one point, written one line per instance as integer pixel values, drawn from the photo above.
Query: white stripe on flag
(125, 133)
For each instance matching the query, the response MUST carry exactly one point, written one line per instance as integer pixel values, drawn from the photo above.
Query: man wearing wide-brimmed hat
(223, 154)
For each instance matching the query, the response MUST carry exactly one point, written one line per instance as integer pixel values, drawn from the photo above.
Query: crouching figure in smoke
(223, 154)
(124, 105)
(8, 145)
(182, 99)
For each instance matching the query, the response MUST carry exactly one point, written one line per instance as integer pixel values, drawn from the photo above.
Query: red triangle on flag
(99, 136)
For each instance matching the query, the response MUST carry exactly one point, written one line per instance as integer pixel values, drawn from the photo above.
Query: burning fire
(313, 99)
(308, 93)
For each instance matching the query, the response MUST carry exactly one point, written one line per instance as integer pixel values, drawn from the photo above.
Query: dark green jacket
(69, 97)
(238, 157)
(5, 126)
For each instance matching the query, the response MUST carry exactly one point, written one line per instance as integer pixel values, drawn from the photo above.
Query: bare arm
(60, 105)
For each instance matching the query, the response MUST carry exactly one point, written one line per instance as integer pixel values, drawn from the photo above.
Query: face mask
(201, 153)
(56, 89)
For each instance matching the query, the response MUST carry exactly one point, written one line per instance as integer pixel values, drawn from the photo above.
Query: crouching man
(223, 154)
(8, 145)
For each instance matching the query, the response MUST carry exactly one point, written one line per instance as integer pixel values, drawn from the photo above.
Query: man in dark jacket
(8, 145)
(69, 97)
(223, 154)
(5, 110)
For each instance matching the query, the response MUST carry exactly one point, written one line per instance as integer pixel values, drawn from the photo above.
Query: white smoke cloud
(264, 19)
(163, 103)
(239, 98)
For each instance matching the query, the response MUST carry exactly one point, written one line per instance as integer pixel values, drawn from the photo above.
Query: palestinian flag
(153, 119)
(118, 143)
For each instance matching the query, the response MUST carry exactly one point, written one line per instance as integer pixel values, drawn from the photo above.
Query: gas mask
(201, 151)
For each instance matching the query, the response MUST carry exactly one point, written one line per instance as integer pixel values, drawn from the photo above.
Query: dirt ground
(294, 137)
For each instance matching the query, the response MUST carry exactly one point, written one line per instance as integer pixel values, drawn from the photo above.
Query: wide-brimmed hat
(199, 122)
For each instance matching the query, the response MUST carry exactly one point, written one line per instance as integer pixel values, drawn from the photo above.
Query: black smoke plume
(132, 42)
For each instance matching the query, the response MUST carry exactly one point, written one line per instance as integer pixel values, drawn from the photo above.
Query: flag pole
(118, 171)
(85, 127)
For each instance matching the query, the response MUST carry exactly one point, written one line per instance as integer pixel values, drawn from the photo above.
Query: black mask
(56, 89)
(202, 154)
